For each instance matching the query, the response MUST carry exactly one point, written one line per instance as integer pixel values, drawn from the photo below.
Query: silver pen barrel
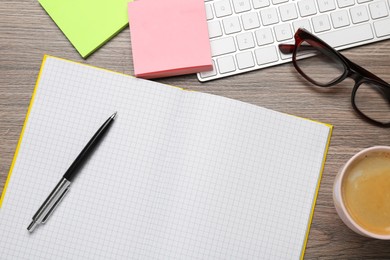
(49, 205)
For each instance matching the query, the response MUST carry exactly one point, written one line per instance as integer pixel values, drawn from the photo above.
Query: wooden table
(27, 33)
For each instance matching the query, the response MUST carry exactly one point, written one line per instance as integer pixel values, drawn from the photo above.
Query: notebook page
(249, 174)
(179, 175)
(71, 103)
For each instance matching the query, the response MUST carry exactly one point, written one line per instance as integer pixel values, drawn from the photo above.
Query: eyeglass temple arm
(289, 48)
(286, 48)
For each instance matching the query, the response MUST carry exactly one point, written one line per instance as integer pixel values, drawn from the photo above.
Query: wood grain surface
(27, 33)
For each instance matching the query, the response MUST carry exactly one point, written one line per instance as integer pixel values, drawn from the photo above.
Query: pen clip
(50, 212)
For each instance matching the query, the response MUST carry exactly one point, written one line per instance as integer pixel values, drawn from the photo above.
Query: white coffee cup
(338, 195)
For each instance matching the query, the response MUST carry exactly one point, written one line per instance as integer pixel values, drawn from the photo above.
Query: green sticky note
(88, 24)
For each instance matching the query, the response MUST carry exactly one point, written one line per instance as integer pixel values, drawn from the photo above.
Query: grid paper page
(180, 175)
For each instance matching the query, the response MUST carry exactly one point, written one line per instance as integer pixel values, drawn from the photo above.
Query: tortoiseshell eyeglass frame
(351, 69)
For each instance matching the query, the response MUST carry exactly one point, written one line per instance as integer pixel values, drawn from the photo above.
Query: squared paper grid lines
(180, 174)
(243, 129)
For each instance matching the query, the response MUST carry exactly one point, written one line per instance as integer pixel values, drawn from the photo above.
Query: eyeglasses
(323, 66)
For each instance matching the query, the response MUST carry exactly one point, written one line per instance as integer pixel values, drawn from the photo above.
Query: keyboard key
(250, 20)
(283, 32)
(214, 29)
(275, 2)
(245, 41)
(231, 25)
(382, 27)
(269, 16)
(222, 46)
(321, 23)
(307, 7)
(345, 3)
(340, 19)
(363, 1)
(288, 12)
(359, 14)
(226, 64)
(305, 24)
(378, 10)
(260, 3)
(264, 36)
(326, 5)
(207, 74)
(241, 6)
(245, 60)
(266, 55)
(222, 8)
(349, 35)
(209, 11)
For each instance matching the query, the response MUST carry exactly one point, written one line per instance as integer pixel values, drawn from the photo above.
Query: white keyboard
(245, 34)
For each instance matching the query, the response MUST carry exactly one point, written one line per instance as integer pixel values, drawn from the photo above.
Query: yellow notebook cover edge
(22, 132)
(317, 191)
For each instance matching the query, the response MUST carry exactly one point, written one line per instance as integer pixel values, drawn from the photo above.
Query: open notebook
(179, 175)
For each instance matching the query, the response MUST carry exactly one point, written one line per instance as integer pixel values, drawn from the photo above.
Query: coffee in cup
(362, 192)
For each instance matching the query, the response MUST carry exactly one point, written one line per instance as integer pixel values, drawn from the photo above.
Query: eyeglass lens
(318, 64)
(372, 102)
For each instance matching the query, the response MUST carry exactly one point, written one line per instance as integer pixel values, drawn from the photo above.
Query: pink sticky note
(169, 37)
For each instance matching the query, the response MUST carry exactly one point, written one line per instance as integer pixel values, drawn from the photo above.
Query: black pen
(62, 187)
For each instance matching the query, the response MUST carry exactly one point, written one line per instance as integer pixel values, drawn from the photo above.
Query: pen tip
(114, 115)
(32, 226)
